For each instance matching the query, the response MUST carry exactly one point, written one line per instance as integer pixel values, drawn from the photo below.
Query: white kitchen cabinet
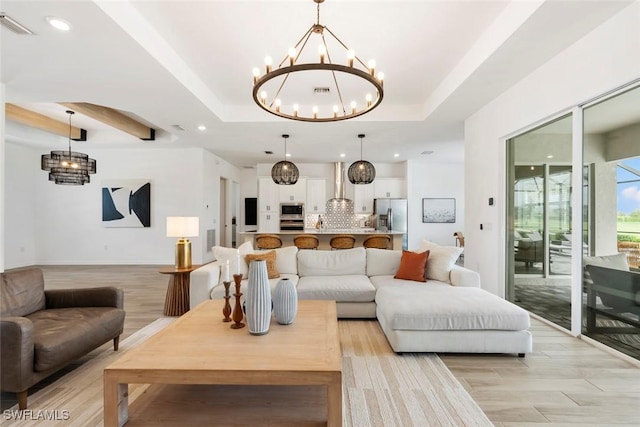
(296, 193)
(389, 188)
(363, 198)
(268, 196)
(268, 222)
(316, 196)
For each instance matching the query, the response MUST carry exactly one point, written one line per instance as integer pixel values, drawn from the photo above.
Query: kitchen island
(325, 235)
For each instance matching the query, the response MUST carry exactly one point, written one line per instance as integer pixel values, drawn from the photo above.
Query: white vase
(285, 301)
(258, 300)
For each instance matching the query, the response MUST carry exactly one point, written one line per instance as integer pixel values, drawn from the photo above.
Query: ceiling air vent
(13, 25)
(268, 152)
(178, 127)
(321, 90)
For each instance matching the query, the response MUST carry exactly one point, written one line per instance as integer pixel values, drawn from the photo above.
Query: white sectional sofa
(432, 316)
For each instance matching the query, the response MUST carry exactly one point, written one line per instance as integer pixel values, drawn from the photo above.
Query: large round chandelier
(68, 167)
(366, 84)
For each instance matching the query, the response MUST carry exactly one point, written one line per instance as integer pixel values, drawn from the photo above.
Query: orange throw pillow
(412, 266)
(270, 257)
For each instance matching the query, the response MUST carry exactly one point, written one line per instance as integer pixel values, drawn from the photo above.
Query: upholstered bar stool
(342, 241)
(306, 241)
(268, 241)
(378, 241)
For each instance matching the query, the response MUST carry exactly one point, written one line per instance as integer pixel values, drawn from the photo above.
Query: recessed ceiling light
(550, 156)
(342, 154)
(202, 127)
(58, 24)
(288, 154)
(396, 155)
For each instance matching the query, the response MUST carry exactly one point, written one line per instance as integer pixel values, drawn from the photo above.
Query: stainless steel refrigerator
(391, 214)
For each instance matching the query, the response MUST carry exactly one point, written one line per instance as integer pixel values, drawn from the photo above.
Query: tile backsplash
(338, 215)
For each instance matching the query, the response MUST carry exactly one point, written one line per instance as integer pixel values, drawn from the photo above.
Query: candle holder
(226, 311)
(237, 314)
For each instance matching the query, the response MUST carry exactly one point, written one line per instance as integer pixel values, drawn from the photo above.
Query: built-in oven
(291, 216)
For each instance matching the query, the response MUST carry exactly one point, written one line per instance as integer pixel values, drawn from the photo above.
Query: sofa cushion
(382, 262)
(412, 266)
(332, 263)
(237, 263)
(270, 258)
(286, 259)
(22, 292)
(345, 288)
(63, 334)
(617, 262)
(421, 306)
(441, 260)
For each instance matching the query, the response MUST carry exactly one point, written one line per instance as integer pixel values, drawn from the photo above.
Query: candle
(226, 274)
(238, 262)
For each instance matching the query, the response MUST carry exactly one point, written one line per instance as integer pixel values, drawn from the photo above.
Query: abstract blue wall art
(126, 203)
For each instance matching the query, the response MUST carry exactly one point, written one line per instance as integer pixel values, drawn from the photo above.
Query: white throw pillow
(441, 260)
(286, 259)
(223, 255)
(617, 262)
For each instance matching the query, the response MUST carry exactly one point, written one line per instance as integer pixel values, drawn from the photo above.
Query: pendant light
(362, 171)
(285, 172)
(68, 167)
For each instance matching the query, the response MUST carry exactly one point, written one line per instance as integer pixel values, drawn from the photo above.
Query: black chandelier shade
(285, 172)
(68, 167)
(362, 171)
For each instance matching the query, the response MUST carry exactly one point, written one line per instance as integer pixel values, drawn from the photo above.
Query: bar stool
(306, 241)
(268, 241)
(342, 241)
(378, 241)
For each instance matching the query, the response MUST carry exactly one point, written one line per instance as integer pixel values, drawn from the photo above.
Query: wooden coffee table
(199, 348)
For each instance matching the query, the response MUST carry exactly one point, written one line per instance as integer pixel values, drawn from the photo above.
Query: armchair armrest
(85, 297)
(202, 281)
(16, 353)
(460, 276)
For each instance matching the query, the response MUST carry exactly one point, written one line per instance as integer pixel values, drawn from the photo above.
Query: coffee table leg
(334, 403)
(116, 403)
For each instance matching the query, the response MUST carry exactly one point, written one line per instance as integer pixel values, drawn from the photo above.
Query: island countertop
(324, 236)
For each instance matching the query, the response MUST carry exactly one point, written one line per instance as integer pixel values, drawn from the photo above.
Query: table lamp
(183, 227)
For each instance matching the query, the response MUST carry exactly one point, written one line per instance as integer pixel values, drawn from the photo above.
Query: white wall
(57, 224)
(605, 58)
(2, 174)
(434, 180)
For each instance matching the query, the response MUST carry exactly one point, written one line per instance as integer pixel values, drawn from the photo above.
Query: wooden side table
(176, 302)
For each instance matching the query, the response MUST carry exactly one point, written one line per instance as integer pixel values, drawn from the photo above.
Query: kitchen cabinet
(316, 196)
(268, 222)
(268, 196)
(389, 188)
(363, 195)
(296, 193)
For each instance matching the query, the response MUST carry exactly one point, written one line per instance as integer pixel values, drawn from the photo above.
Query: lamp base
(183, 254)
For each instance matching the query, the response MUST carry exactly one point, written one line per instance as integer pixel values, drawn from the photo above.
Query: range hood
(338, 183)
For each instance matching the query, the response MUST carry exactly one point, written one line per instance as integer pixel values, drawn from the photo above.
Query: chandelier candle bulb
(295, 110)
(323, 52)
(368, 98)
(353, 107)
(268, 62)
(372, 67)
(381, 77)
(315, 112)
(350, 57)
(292, 55)
(278, 104)
(256, 74)
(335, 111)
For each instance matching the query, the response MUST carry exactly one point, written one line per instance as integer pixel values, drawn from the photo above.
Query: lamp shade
(183, 226)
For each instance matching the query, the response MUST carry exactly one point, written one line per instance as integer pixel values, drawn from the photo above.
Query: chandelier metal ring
(318, 66)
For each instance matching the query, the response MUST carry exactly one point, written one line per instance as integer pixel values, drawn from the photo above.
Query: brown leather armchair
(43, 331)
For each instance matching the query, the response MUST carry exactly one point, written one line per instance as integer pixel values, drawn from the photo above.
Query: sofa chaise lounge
(448, 315)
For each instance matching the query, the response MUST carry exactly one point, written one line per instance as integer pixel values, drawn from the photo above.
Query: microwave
(291, 210)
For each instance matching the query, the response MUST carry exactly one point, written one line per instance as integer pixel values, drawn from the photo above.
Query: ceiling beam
(113, 118)
(45, 123)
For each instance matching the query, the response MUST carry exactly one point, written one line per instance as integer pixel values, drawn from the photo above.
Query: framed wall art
(126, 203)
(439, 210)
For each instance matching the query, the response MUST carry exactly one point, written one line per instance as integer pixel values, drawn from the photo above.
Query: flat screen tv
(251, 211)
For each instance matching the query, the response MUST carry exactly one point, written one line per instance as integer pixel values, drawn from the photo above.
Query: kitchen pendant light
(68, 167)
(362, 171)
(285, 172)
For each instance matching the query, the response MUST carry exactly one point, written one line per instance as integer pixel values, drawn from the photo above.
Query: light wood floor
(564, 382)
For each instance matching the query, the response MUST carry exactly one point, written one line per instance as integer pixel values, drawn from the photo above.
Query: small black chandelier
(285, 172)
(362, 171)
(68, 167)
